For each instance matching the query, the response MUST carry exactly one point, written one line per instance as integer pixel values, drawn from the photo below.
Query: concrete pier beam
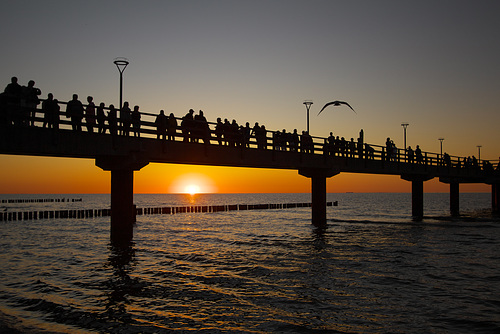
(417, 193)
(122, 194)
(318, 192)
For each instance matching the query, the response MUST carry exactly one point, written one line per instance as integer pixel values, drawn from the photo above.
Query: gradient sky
(433, 64)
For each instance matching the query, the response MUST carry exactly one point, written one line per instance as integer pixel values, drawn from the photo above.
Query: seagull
(335, 103)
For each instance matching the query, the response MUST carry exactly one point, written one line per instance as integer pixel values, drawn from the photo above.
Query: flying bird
(336, 104)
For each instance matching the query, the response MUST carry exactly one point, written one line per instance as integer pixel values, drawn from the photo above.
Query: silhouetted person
(260, 134)
(219, 130)
(329, 144)
(90, 114)
(447, 159)
(13, 92)
(136, 121)
(294, 144)
(343, 146)
(30, 101)
(246, 134)
(233, 133)
(161, 125)
(410, 154)
(201, 127)
(51, 112)
(101, 118)
(306, 142)
(187, 125)
(263, 136)
(112, 120)
(227, 131)
(12, 101)
(74, 110)
(125, 119)
(475, 163)
(171, 126)
(388, 149)
(418, 155)
(360, 143)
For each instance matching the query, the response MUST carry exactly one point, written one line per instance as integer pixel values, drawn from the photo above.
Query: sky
(431, 63)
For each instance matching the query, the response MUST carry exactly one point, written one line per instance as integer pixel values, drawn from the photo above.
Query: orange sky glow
(36, 175)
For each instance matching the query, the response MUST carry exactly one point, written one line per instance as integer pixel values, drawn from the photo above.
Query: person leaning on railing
(74, 110)
(101, 119)
(136, 121)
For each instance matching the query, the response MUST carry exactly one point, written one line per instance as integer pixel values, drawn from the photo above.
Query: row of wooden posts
(92, 213)
(40, 200)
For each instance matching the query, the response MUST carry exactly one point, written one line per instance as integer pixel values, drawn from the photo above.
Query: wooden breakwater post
(39, 200)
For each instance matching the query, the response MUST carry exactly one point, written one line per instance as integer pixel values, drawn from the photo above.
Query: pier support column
(122, 195)
(417, 193)
(495, 198)
(417, 198)
(455, 198)
(318, 192)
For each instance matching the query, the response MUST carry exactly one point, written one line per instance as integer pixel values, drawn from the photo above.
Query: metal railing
(19, 116)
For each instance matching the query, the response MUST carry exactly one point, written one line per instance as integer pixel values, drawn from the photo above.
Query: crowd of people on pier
(20, 104)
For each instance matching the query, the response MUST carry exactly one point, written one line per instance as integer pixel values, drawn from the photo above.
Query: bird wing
(347, 104)
(326, 105)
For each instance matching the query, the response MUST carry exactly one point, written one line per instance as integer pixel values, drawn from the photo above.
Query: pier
(318, 161)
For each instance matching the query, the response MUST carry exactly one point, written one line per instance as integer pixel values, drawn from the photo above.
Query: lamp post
(121, 63)
(404, 125)
(441, 142)
(308, 104)
(479, 153)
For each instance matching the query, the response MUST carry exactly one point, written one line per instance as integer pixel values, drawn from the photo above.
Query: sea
(373, 269)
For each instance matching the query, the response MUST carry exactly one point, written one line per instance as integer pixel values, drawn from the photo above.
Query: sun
(192, 183)
(192, 189)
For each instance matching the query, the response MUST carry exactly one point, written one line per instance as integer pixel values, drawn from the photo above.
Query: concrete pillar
(417, 193)
(122, 204)
(318, 195)
(455, 198)
(495, 198)
(122, 194)
(417, 198)
(318, 192)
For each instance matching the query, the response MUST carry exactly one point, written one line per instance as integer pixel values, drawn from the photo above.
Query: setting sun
(192, 189)
(192, 183)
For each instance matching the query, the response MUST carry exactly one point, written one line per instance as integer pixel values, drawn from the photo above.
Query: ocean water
(372, 270)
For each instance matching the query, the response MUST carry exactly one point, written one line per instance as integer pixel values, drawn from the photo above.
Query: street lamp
(121, 63)
(479, 153)
(441, 140)
(404, 125)
(308, 104)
